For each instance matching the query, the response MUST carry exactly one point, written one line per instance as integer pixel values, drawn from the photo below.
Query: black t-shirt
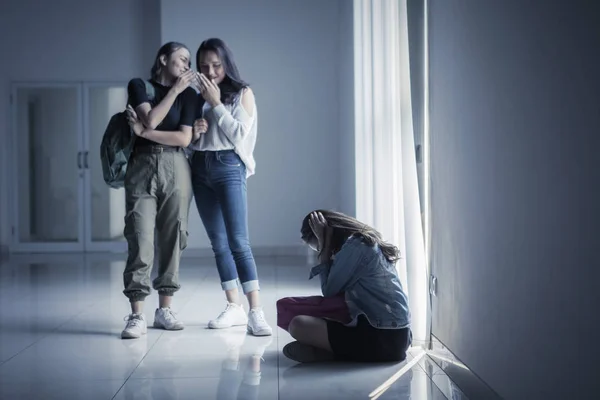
(181, 113)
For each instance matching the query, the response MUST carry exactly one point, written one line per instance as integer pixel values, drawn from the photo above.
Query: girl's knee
(239, 246)
(220, 247)
(297, 326)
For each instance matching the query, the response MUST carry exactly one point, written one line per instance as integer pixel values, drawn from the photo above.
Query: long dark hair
(233, 83)
(345, 226)
(166, 50)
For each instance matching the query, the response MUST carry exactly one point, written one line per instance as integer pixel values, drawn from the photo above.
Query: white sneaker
(234, 315)
(135, 328)
(257, 325)
(164, 318)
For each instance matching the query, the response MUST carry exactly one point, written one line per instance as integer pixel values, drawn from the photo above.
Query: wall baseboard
(295, 252)
(471, 385)
(258, 251)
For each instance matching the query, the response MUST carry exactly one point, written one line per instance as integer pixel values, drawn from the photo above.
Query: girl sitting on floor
(355, 261)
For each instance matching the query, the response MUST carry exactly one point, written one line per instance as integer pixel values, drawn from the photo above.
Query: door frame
(42, 247)
(90, 245)
(84, 242)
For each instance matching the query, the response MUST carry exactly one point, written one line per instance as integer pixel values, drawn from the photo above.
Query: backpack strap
(149, 89)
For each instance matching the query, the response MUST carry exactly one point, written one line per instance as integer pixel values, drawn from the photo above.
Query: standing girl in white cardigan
(224, 139)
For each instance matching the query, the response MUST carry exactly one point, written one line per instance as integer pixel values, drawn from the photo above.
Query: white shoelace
(224, 312)
(170, 315)
(259, 317)
(133, 320)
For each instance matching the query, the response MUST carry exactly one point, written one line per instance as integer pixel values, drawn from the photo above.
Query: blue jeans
(219, 184)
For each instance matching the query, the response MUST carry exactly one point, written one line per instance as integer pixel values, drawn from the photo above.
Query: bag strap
(149, 89)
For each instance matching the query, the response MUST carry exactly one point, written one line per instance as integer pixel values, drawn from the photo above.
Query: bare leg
(137, 307)
(164, 301)
(233, 296)
(253, 299)
(311, 331)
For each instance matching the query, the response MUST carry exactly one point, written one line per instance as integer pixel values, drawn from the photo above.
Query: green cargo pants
(158, 193)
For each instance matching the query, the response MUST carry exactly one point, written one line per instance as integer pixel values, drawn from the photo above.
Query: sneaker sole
(226, 326)
(259, 333)
(159, 326)
(131, 336)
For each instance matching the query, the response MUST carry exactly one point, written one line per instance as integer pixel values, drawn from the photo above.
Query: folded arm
(138, 98)
(181, 137)
(152, 117)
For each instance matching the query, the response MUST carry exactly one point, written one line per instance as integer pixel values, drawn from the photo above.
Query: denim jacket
(370, 283)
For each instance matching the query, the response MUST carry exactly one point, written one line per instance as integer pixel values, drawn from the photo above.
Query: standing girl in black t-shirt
(158, 185)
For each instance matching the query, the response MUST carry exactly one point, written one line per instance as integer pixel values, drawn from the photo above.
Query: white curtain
(387, 195)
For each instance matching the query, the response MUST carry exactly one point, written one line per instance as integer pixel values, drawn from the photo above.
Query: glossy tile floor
(61, 317)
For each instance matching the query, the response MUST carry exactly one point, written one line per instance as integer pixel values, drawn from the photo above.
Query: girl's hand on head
(319, 226)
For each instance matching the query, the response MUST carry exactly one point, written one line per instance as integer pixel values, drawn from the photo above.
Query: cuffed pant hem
(250, 286)
(166, 292)
(230, 285)
(134, 297)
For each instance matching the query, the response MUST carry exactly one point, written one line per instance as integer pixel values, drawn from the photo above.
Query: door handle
(85, 160)
(79, 155)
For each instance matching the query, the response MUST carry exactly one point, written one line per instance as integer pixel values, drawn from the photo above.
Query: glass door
(47, 159)
(104, 206)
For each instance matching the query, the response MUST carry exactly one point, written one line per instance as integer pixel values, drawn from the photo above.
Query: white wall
(289, 51)
(416, 37)
(346, 109)
(70, 40)
(514, 124)
(296, 55)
